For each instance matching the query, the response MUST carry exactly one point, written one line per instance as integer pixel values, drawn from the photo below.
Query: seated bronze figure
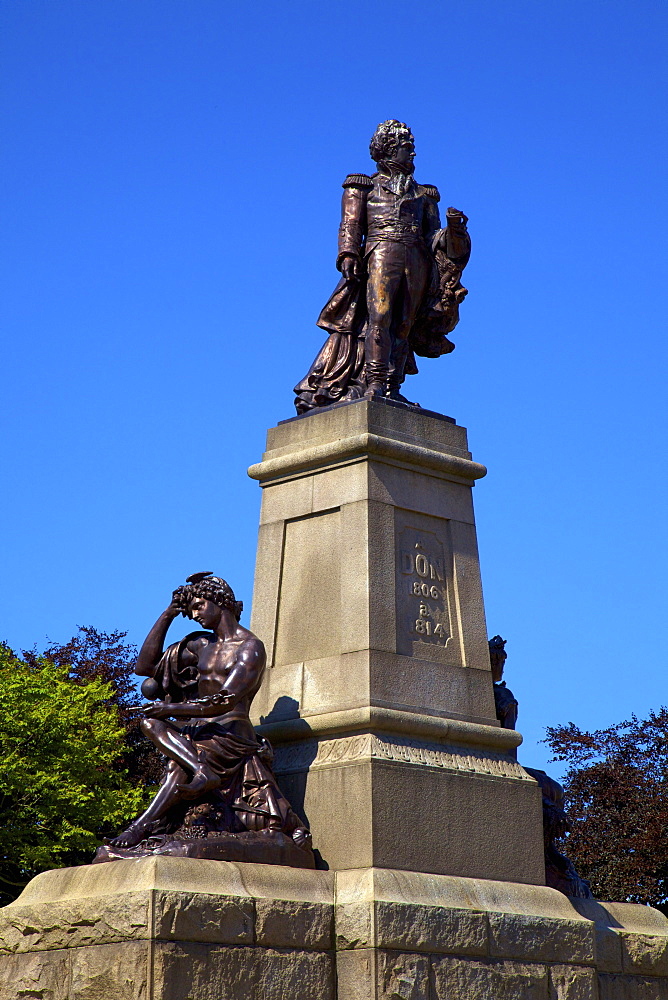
(560, 872)
(218, 797)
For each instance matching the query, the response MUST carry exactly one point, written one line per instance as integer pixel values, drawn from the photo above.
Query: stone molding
(363, 446)
(310, 754)
(399, 729)
(413, 724)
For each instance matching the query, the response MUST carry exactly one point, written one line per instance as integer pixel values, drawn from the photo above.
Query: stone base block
(182, 929)
(170, 929)
(416, 805)
(378, 696)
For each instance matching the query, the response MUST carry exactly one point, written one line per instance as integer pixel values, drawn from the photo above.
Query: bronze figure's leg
(397, 365)
(168, 739)
(413, 286)
(168, 794)
(386, 272)
(184, 760)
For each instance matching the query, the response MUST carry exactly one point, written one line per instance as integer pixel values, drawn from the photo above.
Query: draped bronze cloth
(248, 797)
(337, 374)
(248, 786)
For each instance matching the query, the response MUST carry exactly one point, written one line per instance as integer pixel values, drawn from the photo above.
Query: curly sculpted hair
(386, 139)
(210, 588)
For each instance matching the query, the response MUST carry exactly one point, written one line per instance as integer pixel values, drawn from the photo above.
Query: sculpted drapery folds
(218, 797)
(400, 289)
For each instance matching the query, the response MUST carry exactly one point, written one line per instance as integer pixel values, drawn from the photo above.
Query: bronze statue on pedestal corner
(505, 701)
(560, 872)
(400, 290)
(218, 798)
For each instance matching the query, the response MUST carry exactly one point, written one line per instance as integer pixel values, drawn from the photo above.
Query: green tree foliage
(617, 793)
(106, 656)
(63, 783)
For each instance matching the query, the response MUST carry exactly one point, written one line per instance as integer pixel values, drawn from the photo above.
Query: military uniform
(392, 226)
(389, 221)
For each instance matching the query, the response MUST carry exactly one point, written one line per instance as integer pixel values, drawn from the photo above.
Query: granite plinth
(181, 929)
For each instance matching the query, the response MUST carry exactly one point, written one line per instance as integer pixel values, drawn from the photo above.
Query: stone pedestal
(185, 929)
(378, 695)
(378, 700)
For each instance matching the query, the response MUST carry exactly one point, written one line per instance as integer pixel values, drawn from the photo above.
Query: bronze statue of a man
(504, 700)
(218, 797)
(400, 289)
(560, 873)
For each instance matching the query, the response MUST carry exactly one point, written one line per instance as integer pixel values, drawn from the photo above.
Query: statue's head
(204, 595)
(497, 656)
(393, 142)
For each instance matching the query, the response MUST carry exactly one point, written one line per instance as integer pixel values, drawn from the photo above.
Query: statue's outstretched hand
(156, 710)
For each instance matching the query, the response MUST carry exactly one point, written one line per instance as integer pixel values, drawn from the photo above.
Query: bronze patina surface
(560, 872)
(400, 289)
(218, 798)
(505, 702)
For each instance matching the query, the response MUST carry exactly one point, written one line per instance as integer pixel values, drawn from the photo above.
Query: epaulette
(431, 191)
(357, 181)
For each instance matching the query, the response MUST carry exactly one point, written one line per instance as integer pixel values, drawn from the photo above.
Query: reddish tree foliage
(92, 654)
(105, 655)
(617, 794)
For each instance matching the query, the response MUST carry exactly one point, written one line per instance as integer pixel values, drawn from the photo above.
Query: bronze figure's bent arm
(151, 651)
(431, 221)
(245, 676)
(353, 222)
(242, 681)
(199, 708)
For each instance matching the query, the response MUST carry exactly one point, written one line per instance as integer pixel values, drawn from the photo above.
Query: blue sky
(172, 178)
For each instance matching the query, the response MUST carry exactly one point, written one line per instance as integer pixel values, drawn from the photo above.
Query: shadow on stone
(293, 759)
(284, 708)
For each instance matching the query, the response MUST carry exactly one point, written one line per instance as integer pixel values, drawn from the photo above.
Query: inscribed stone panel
(424, 588)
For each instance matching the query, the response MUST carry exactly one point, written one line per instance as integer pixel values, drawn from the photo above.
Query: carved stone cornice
(307, 755)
